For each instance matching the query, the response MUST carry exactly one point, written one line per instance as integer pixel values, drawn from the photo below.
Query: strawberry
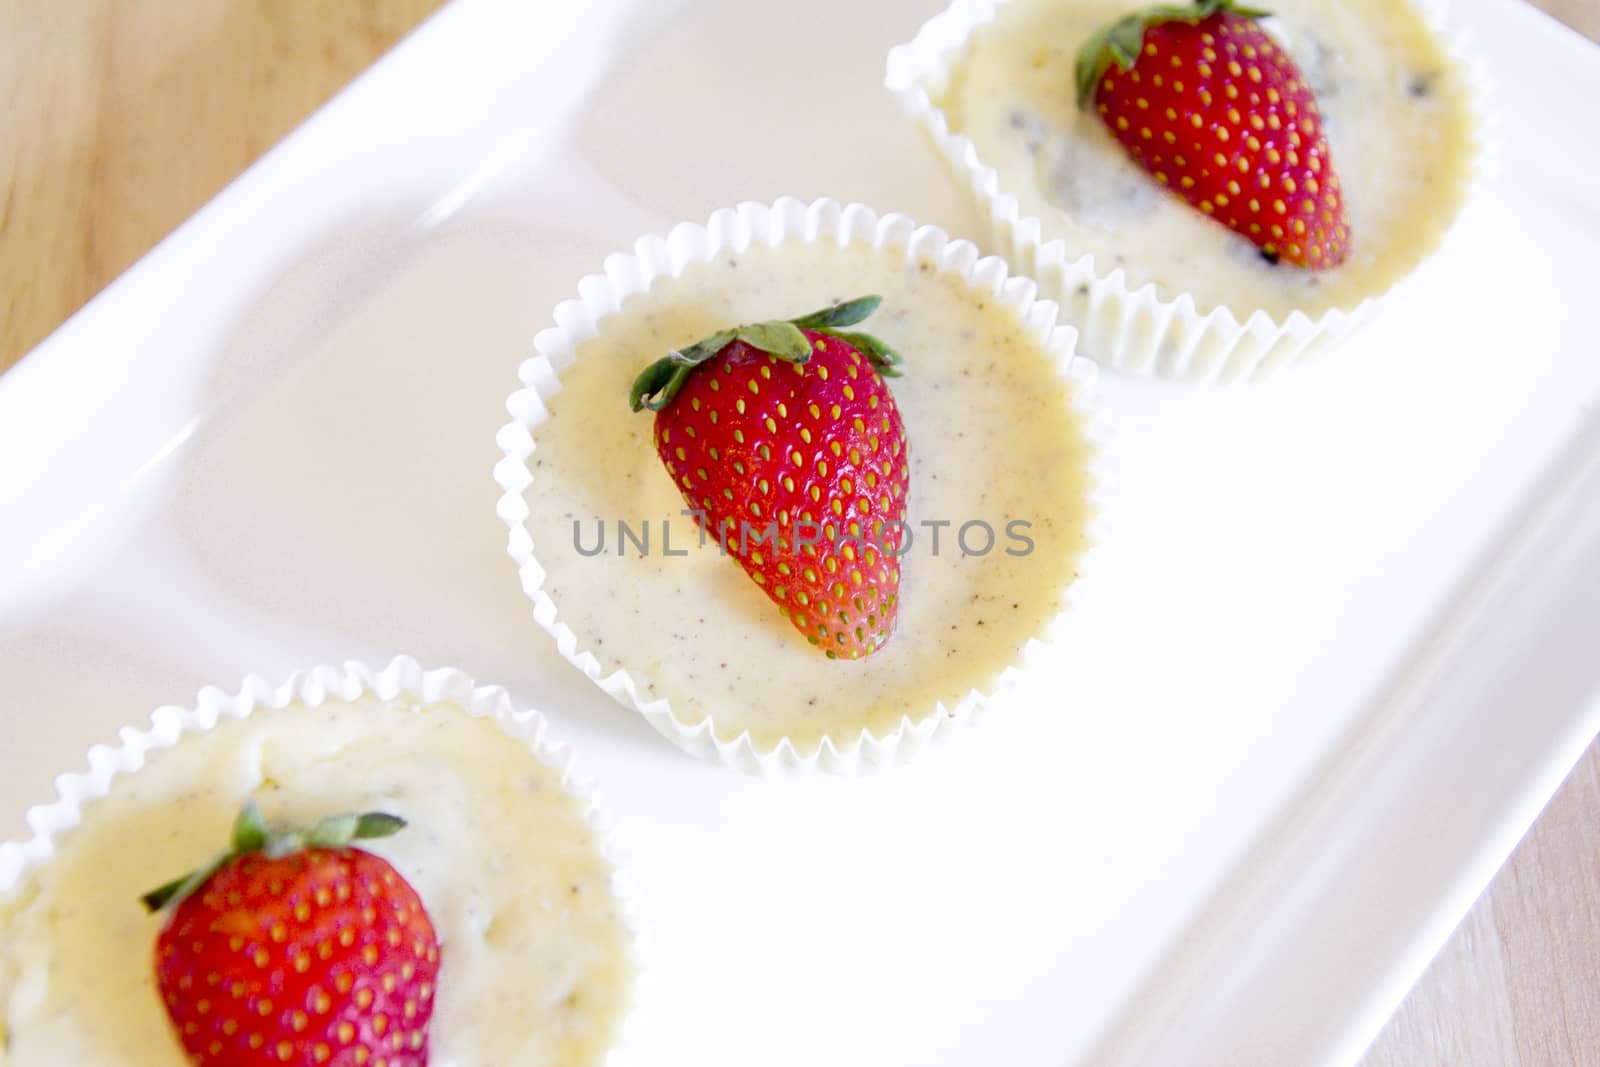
(785, 439)
(1205, 101)
(294, 948)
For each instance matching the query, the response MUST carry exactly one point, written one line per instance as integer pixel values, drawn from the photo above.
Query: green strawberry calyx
(1120, 41)
(661, 382)
(251, 834)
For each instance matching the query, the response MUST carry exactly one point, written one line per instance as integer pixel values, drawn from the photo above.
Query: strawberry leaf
(249, 829)
(250, 834)
(781, 339)
(374, 824)
(701, 351)
(839, 315)
(659, 383)
(338, 831)
(173, 893)
(886, 359)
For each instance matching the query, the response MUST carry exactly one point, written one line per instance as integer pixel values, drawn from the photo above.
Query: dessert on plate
(341, 881)
(1196, 167)
(797, 495)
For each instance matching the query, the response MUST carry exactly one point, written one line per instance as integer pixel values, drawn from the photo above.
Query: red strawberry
(786, 440)
(1203, 99)
(294, 948)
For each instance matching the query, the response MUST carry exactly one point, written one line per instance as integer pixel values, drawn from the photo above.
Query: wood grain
(1581, 15)
(119, 118)
(1519, 983)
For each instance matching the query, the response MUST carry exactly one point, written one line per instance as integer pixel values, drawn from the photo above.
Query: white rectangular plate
(1338, 665)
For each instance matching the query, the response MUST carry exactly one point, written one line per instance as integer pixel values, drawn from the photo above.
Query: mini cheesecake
(1396, 108)
(536, 959)
(998, 515)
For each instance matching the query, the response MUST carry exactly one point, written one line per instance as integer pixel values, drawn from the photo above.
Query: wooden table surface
(118, 118)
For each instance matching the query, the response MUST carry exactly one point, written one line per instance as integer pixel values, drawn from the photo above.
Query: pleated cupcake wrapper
(1136, 330)
(401, 679)
(787, 221)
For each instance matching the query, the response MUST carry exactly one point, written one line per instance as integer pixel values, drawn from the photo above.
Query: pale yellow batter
(1396, 109)
(536, 965)
(993, 439)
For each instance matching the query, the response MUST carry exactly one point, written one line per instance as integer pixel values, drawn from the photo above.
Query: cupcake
(383, 867)
(804, 485)
(1210, 194)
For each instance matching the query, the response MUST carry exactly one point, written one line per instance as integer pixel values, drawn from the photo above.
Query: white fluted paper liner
(788, 220)
(1136, 330)
(401, 679)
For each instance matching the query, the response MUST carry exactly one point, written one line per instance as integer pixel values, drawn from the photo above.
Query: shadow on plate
(349, 492)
